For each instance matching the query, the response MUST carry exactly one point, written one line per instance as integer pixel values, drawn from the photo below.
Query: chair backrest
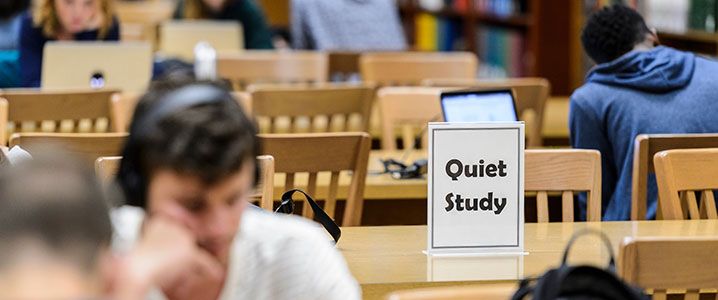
(679, 174)
(244, 68)
(410, 68)
(323, 152)
(531, 95)
(679, 264)
(76, 111)
(178, 38)
(106, 170)
(88, 146)
(408, 109)
(566, 171)
(312, 109)
(499, 291)
(645, 147)
(124, 106)
(140, 19)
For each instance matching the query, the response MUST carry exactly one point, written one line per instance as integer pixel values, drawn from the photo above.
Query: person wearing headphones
(190, 160)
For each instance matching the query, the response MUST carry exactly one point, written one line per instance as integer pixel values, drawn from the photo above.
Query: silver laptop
(80, 65)
(178, 38)
(471, 106)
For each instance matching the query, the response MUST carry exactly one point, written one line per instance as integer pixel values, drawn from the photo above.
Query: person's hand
(167, 257)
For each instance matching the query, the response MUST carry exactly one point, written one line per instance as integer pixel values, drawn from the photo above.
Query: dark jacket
(257, 34)
(32, 43)
(658, 91)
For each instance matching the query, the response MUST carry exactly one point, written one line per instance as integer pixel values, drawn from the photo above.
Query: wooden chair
(126, 102)
(408, 109)
(531, 95)
(679, 174)
(76, 111)
(106, 170)
(323, 152)
(496, 291)
(139, 20)
(645, 148)
(89, 146)
(681, 265)
(244, 68)
(565, 171)
(313, 109)
(410, 68)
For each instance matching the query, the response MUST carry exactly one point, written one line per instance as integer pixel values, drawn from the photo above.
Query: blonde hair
(45, 16)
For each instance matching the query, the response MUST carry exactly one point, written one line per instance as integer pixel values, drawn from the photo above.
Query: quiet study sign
(476, 192)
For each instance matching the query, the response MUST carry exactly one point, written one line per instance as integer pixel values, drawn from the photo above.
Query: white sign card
(476, 188)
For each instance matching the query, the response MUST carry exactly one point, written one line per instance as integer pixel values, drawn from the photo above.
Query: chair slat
(289, 182)
(542, 207)
(659, 295)
(708, 205)
(692, 295)
(692, 205)
(407, 136)
(567, 206)
(330, 204)
(312, 191)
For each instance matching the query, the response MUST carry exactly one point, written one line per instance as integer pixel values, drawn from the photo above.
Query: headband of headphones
(129, 175)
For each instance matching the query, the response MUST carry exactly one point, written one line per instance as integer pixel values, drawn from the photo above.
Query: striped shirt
(273, 257)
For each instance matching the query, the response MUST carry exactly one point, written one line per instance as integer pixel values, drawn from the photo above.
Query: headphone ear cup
(129, 177)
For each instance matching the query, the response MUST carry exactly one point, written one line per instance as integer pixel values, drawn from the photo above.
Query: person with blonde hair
(63, 20)
(257, 34)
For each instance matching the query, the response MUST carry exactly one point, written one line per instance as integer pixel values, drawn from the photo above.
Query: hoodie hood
(658, 70)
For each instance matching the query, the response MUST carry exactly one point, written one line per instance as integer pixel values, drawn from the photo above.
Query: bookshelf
(536, 38)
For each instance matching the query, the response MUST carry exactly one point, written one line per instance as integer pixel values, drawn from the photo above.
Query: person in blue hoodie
(637, 87)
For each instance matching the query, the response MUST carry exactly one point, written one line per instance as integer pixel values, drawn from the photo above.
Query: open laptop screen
(479, 106)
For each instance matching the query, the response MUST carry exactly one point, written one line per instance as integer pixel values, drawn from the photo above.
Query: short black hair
(9, 8)
(55, 202)
(210, 141)
(612, 32)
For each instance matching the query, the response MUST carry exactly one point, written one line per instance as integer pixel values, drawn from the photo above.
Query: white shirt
(273, 257)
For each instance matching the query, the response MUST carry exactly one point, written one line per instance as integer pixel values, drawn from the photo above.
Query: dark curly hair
(210, 141)
(612, 32)
(9, 8)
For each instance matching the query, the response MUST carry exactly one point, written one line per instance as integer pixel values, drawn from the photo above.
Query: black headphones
(399, 170)
(129, 175)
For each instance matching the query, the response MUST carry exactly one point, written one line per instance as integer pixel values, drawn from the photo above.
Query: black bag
(579, 282)
(287, 207)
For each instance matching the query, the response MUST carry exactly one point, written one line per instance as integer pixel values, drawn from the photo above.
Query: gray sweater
(351, 25)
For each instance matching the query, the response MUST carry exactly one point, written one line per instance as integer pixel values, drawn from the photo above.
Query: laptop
(178, 38)
(80, 65)
(471, 106)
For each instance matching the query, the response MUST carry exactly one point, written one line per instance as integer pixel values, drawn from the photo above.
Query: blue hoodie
(662, 90)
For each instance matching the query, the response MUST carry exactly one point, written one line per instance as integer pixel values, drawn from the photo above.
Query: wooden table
(378, 186)
(390, 258)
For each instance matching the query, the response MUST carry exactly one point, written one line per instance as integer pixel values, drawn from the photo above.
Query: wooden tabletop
(389, 258)
(378, 186)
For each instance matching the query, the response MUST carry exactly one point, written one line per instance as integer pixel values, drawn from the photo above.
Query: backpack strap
(584, 232)
(287, 207)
